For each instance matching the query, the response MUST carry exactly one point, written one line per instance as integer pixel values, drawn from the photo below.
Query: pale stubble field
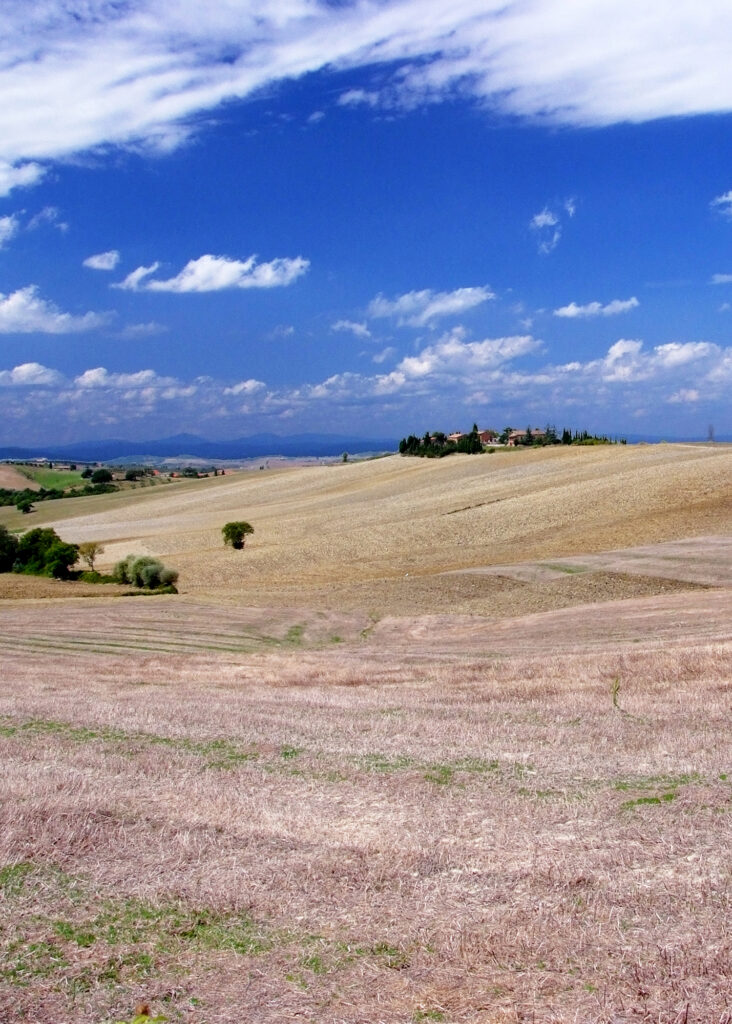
(370, 804)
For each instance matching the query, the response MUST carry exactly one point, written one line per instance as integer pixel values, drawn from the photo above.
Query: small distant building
(486, 436)
(517, 437)
(457, 436)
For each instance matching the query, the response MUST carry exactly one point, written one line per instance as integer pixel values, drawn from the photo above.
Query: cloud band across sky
(154, 65)
(450, 374)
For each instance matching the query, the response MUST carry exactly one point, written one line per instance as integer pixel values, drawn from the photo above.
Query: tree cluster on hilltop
(436, 445)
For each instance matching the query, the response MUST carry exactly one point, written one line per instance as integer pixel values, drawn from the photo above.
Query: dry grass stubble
(370, 830)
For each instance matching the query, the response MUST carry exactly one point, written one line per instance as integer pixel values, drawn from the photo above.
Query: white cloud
(31, 375)
(8, 228)
(359, 97)
(723, 204)
(19, 176)
(386, 353)
(100, 377)
(357, 329)
(573, 311)
(452, 355)
(455, 376)
(417, 309)
(103, 260)
(721, 279)
(24, 312)
(215, 273)
(684, 396)
(146, 68)
(48, 215)
(547, 225)
(245, 387)
(143, 330)
(132, 282)
(544, 219)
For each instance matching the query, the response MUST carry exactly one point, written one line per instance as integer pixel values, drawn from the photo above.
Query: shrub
(145, 571)
(101, 476)
(236, 533)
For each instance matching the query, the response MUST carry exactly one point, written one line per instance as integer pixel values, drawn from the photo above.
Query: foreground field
(293, 798)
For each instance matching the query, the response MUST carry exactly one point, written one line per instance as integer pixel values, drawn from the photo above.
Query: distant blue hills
(189, 445)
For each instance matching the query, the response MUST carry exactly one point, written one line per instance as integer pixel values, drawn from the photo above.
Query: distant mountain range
(189, 445)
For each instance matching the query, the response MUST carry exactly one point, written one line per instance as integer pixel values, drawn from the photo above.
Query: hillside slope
(359, 530)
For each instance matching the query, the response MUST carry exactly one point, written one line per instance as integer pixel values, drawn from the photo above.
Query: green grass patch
(294, 635)
(52, 478)
(671, 782)
(663, 798)
(217, 753)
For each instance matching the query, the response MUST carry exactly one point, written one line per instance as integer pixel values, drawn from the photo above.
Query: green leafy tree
(41, 552)
(101, 476)
(236, 533)
(8, 549)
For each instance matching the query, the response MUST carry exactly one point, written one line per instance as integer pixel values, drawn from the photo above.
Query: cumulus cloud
(30, 375)
(357, 329)
(25, 312)
(453, 355)
(99, 377)
(216, 273)
(573, 311)
(147, 67)
(245, 387)
(103, 260)
(454, 374)
(416, 309)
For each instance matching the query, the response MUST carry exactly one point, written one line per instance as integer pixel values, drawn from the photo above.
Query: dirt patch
(17, 587)
(13, 480)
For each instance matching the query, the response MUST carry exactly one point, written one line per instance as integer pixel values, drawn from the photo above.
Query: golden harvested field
(447, 741)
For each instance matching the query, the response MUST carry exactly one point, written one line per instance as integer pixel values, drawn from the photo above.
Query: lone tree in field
(88, 552)
(236, 534)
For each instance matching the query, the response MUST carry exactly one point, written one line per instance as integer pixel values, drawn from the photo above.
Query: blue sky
(371, 217)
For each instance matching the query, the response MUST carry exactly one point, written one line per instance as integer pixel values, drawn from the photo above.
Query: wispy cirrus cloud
(547, 225)
(359, 330)
(215, 273)
(25, 312)
(418, 308)
(723, 204)
(9, 227)
(48, 216)
(721, 279)
(591, 309)
(103, 260)
(147, 68)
